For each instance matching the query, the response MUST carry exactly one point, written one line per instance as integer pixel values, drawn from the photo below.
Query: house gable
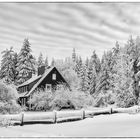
(51, 77)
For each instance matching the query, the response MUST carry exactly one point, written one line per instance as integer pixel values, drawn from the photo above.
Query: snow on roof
(29, 81)
(22, 94)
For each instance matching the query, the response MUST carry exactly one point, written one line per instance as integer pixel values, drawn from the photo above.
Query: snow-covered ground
(115, 125)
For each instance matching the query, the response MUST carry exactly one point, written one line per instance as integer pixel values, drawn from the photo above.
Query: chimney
(41, 70)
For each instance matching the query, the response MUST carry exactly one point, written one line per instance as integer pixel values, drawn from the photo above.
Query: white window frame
(54, 76)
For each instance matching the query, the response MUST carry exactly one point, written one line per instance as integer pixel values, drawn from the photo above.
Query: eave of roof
(22, 94)
(29, 81)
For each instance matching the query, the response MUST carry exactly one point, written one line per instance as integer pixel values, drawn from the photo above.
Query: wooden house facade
(50, 80)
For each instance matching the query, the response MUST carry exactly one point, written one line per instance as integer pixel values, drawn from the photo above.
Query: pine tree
(8, 72)
(123, 82)
(93, 81)
(46, 63)
(86, 80)
(82, 77)
(93, 71)
(40, 61)
(133, 50)
(105, 76)
(116, 49)
(138, 59)
(76, 67)
(26, 62)
(15, 72)
(53, 62)
(81, 71)
(74, 55)
(79, 68)
(96, 62)
(87, 62)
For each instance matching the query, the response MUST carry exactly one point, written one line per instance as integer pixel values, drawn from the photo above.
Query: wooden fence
(61, 116)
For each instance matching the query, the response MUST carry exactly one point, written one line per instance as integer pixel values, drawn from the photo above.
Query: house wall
(48, 80)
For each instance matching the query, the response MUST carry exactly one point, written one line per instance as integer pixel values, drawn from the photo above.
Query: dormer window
(54, 76)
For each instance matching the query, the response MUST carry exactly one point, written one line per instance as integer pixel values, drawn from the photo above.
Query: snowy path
(115, 125)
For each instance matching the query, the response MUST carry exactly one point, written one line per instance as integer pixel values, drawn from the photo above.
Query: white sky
(55, 28)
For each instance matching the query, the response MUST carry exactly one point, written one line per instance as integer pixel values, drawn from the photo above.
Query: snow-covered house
(49, 79)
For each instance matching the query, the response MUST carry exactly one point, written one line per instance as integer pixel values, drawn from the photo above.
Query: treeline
(112, 80)
(16, 67)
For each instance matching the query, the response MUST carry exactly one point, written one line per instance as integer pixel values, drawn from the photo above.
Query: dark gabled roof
(29, 81)
(41, 79)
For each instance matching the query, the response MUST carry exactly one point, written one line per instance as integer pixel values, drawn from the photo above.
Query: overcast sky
(55, 28)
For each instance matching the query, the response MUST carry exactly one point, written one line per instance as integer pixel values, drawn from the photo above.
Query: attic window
(53, 76)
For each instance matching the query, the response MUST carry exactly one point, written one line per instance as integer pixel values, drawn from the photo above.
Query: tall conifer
(26, 62)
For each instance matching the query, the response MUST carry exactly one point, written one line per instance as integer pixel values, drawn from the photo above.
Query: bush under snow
(8, 99)
(61, 99)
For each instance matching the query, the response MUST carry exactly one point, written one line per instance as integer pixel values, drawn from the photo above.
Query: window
(48, 87)
(54, 76)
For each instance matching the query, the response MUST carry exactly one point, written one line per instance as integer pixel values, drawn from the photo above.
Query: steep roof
(41, 79)
(29, 81)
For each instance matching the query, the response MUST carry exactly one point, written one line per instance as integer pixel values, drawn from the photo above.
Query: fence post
(22, 119)
(138, 109)
(83, 114)
(55, 116)
(111, 111)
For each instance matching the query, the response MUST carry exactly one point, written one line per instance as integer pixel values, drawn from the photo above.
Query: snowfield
(115, 125)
